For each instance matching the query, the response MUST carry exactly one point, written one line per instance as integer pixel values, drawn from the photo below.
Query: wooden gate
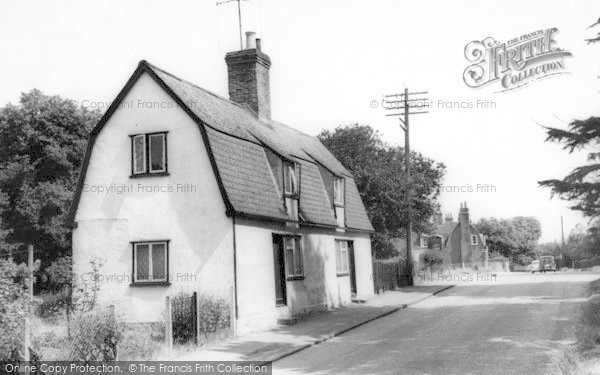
(185, 318)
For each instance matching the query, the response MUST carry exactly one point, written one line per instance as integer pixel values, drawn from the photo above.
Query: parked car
(534, 266)
(547, 263)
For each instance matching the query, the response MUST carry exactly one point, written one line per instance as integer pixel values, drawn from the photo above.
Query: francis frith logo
(515, 63)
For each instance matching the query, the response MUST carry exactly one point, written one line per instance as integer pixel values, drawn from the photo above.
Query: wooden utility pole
(409, 106)
(27, 341)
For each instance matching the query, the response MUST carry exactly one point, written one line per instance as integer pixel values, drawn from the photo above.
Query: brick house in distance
(460, 242)
(461, 245)
(206, 194)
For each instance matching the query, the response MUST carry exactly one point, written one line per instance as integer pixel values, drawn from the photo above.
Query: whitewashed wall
(200, 234)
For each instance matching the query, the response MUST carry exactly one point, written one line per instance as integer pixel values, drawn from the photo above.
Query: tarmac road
(506, 327)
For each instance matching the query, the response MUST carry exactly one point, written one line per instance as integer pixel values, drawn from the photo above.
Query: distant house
(185, 191)
(460, 244)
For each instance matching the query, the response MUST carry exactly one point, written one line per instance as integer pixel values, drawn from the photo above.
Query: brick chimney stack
(448, 218)
(248, 73)
(465, 233)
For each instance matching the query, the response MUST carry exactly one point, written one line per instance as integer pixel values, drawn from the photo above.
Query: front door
(352, 267)
(278, 257)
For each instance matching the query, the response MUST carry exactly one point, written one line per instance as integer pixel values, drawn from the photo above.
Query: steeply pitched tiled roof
(445, 229)
(237, 140)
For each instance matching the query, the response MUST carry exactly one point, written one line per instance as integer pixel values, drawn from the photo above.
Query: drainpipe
(235, 291)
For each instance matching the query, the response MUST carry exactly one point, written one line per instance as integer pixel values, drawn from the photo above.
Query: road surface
(508, 327)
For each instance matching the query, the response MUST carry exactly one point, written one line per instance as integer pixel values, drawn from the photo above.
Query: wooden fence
(389, 274)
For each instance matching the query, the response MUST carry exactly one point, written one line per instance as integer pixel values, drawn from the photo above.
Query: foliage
(60, 274)
(95, 335)
(378, 169)
(515, 238)
(142, 341)
(581, 186)
(14, 308)
(214, 314)
(596, 38)
(43, 140)
(433, 258)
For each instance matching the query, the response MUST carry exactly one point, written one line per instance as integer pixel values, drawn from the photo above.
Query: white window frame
(339, 187)
(147, 154)
(474, 240)
(291, 170)
(342, 257)
(297, 255)
(164, 152)
(424, 241)
(151, 278)
(133, 151)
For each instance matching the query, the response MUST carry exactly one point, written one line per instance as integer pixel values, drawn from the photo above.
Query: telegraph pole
(409, 103)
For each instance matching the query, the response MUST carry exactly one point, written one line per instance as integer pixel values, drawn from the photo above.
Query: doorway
(352, 268)
(279, 271)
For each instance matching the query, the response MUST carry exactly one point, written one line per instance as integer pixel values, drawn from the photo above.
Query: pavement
(517, 324)
(282, 341)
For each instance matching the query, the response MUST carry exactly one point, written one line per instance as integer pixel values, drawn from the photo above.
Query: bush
(142, 341)
(14, 309)
(433, 258)
(214, 314)
(60, 274)
(95, 336)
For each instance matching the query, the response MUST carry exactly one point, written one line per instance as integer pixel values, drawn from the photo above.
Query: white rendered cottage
(183, 190)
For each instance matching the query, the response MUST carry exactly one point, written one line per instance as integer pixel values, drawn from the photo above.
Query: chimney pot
(250, 40)
(258, 44)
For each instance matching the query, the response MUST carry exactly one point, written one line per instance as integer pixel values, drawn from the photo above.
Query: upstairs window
(338, 191)
(290, 178)
(473, 240)
(150, 262)
(149, 154)
(293, 257)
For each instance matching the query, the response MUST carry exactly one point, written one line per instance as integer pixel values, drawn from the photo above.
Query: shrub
(214, 314)
(433, 258)
(95, 336)
(142, 341)
(14, 309)
(60, 274)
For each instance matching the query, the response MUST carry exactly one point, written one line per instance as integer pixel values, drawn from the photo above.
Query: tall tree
(516, 238)
(582, 185)
(596, 38)
(378, 169)
(42, 142)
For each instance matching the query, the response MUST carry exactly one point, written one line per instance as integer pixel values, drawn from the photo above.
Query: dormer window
(149, 154)
(338, 191)
(290, 178)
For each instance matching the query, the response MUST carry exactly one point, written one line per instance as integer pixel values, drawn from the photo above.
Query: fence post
(195, 314)
(169, 324)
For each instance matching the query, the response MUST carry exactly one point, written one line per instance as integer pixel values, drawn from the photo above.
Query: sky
(331, 60)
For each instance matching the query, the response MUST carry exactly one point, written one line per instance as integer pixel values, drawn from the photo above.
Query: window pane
(157, 153)
(338, 191)
(290, 178)
(142, 262)
(289, 258)
(139, 148)
(338, 260)
(159, 261)
(344, 257)
(298, 258)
